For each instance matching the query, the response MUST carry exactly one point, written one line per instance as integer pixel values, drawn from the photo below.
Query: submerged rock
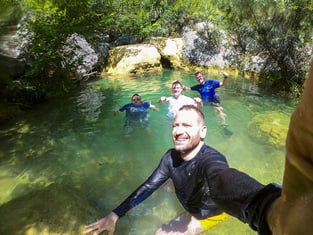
(52, 209)
(270, 128)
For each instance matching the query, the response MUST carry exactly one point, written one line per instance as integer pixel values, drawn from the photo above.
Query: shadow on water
(67, 163)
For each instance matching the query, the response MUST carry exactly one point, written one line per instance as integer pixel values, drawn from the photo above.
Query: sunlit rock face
(134, 59)
(147, 58)
(171, 50)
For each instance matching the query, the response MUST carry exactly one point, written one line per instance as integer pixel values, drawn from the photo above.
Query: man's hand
(105, 224)
(198, 102)
(225, 74)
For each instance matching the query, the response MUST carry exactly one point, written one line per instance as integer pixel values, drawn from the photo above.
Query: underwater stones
(270, 128)
(51, 209)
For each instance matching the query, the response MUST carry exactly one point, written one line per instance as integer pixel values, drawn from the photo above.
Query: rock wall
(134, 59)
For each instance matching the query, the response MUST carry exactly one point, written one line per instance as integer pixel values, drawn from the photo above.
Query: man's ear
(203, 132)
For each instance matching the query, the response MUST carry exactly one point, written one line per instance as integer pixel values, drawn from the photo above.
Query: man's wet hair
(136, 95)
(177, 82)
(190, 107)
(196, 73)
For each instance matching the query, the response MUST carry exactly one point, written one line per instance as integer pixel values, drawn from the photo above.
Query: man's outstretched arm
(292, 213)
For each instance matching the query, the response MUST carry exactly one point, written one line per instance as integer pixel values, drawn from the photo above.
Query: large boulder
(11, 67)
(200, 49)
(134, 59)
(79, 54)
(171, 50)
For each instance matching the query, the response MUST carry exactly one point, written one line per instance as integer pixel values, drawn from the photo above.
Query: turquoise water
(68, 163)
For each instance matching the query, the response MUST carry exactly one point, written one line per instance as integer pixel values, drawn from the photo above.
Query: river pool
(67, 162)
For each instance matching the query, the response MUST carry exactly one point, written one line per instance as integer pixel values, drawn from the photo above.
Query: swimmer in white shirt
(178, 99)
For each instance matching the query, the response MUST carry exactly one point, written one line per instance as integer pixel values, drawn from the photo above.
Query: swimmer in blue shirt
(206, 89)
(137, 114)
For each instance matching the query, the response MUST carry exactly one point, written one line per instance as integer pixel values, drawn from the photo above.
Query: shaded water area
(67, 162)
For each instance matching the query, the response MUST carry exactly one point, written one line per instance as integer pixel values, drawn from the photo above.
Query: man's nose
(178, 129)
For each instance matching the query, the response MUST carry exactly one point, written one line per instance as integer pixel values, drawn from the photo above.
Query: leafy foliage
(51, 22)
(279, 32)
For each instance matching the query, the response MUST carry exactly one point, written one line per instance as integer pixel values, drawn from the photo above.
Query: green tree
(278, 31)
(51, 22)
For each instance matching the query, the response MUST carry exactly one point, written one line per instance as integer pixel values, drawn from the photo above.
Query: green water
(68, 163)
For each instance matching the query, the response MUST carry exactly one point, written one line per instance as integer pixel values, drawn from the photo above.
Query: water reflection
(89, 102)
(68, 163)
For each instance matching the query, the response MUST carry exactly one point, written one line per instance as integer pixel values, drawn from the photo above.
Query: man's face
(177, 89)
(136, 100)
(200, 78)
(187, 131)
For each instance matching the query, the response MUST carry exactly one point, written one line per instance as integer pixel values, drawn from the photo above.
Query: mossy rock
(270, 128)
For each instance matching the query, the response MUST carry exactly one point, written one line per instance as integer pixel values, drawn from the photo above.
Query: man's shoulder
(196, 87)
(171, 155)
(145, 104)
(127, 106)
(212, 154)
(209, 81)
(213, 82)
(207, 149)
(186, 98)
(171, 151)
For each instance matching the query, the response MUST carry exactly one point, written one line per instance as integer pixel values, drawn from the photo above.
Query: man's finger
(90, 228)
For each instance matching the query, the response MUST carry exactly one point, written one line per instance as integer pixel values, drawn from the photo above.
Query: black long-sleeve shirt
(207, 186)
